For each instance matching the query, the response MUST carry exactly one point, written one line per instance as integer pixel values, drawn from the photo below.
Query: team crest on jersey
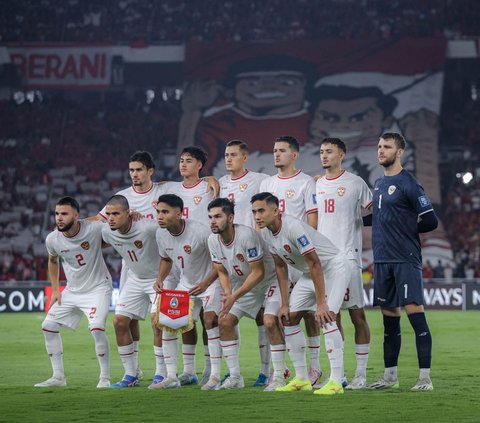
(290, 193)
(243, 186)
(187, 249)
(240, 257)
(197, 199)
(391, 189)
(287, 248)
(303, 240)
(174, 302)
(138, 243)
(341, 191)
(85, 245)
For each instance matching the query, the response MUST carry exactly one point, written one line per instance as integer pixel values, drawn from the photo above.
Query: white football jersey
(138, 247)
(142, 201)
(240, 190)
(340, 202)
(188, 250)
(195, 199)
(295, 239)
(81, 256)
(246, 247)
(296, 194)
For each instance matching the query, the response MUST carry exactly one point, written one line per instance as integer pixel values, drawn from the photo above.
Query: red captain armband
(175, 311)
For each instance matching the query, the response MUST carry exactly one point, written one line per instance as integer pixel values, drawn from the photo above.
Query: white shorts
(273, 297)
(353, 298)
(210, 300)
(93, 304)
(302, 297)
(251, 302)
(135, 298)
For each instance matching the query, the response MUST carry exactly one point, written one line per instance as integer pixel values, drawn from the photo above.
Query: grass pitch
(23, 362)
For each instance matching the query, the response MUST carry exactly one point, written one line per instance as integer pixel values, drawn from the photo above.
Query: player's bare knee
(121, 323)
(270, 321)
(259, 318)
(210, 320)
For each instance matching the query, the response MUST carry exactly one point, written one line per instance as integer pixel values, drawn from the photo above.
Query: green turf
(23, 362)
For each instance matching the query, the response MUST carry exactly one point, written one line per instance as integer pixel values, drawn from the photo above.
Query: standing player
(321, 287)
(239, 186)
(196, 196)
(341, 197)
(245, 271)
(186, 243)
(401, 210)
(78, 244)
(296, 193)
(136, 244)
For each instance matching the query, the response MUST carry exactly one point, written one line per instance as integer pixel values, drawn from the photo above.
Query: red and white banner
(174, 311)
(63, 66)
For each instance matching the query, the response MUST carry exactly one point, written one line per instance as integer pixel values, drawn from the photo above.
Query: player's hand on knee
(158, 287)
(56, 298)
(227, 303)
(323, 315)
(284, 315)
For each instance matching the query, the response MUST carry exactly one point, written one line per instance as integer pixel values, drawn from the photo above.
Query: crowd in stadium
(225, 20)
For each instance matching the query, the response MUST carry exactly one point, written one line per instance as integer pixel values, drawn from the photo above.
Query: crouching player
(185, 243)
(320, 289)
(246, 271)
(78, 244)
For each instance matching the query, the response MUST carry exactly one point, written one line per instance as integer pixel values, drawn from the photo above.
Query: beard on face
(388, 162)
(67, 227)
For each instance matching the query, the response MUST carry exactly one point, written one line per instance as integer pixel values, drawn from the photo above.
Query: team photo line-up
(276, 249)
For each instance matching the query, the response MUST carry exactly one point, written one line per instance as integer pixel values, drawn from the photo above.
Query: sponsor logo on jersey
(424, 201)
(243, 186)
(287, 248)
(391, 189)
(252, 252)
(290, 193)
(197, 199)
(187, 249)
(240, 257)
(174, 302)
(85, 245)
(138, 243)
(341, 191)
(303, 240)
(64, 251)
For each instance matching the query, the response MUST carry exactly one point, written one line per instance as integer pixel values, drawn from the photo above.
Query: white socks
(314, 352)
(278, 360)
(296, 344)
(215, 350)
(102, 350)
(160, 368)
(53, 344)
(264, 349)
(126, 355)
(230, 352)
(361, 352)
(188, 354)
(170, 353)
(334, 349)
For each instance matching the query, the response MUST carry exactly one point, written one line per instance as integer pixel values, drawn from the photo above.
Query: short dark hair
(118, 200)
(268, 197)
(241, 145)
(397, 138)
(69, 201)
(196, 153)
(143, 157)
(227, 206)
(172, 200)
(335, 141)
(291, 141)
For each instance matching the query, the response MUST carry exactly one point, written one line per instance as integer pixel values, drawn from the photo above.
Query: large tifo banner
(353, 90)
(63, 66)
